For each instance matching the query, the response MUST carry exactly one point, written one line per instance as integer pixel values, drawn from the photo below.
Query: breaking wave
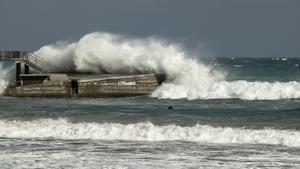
(187, 77)
(62, 129)
(236, 89)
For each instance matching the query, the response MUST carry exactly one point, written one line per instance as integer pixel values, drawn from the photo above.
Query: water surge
(187, 77)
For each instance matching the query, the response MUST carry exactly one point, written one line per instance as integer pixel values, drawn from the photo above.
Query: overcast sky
(246, 28)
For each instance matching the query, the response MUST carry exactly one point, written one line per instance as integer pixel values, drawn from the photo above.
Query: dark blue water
(260, 69)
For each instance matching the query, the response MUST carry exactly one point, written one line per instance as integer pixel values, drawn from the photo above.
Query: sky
(221, 28)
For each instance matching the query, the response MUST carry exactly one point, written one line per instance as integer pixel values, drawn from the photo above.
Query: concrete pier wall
(117, 86)
(48, 91)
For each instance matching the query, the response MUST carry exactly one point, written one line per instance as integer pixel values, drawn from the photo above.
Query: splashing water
(3, 81)
(187, 77)
(3, 85)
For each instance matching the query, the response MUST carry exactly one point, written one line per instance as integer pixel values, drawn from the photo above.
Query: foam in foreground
(62, 129)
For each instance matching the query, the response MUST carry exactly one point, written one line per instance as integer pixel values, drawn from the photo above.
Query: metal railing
(38, 63)
(32, 60)
(14, 55)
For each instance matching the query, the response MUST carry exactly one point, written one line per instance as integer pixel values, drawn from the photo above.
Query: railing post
(26, 69)
(18, 72)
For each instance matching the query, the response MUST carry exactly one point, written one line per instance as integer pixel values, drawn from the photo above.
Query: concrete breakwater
(63, 86)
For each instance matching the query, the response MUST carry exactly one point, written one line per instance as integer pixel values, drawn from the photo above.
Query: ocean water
(258, 126)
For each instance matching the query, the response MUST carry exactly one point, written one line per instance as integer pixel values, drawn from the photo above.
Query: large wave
(187, 77)
(62, 129)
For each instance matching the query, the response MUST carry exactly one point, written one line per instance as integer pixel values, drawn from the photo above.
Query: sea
(257, 127)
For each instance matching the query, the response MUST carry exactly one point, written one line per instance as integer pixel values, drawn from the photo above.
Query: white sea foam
(236, 89)
(187, 77)
(62, 129)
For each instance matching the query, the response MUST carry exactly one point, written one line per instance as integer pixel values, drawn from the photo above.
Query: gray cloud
(248, 28)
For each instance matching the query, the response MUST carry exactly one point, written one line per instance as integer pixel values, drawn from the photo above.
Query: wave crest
(62, 129)
(236, 89)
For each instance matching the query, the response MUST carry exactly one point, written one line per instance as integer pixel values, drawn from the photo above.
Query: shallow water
(143, 132)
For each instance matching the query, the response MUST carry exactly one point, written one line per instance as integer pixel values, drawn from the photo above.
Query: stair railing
(30, 59)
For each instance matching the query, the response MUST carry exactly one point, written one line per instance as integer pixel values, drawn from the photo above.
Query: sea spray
(187, 77)
(146, 131)
(3, 85)
(3, 78)
(110, 53)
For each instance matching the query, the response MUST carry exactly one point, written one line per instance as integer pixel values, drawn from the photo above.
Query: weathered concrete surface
(54, 90)
(133, 85)
(33, 79)
(119, 86)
